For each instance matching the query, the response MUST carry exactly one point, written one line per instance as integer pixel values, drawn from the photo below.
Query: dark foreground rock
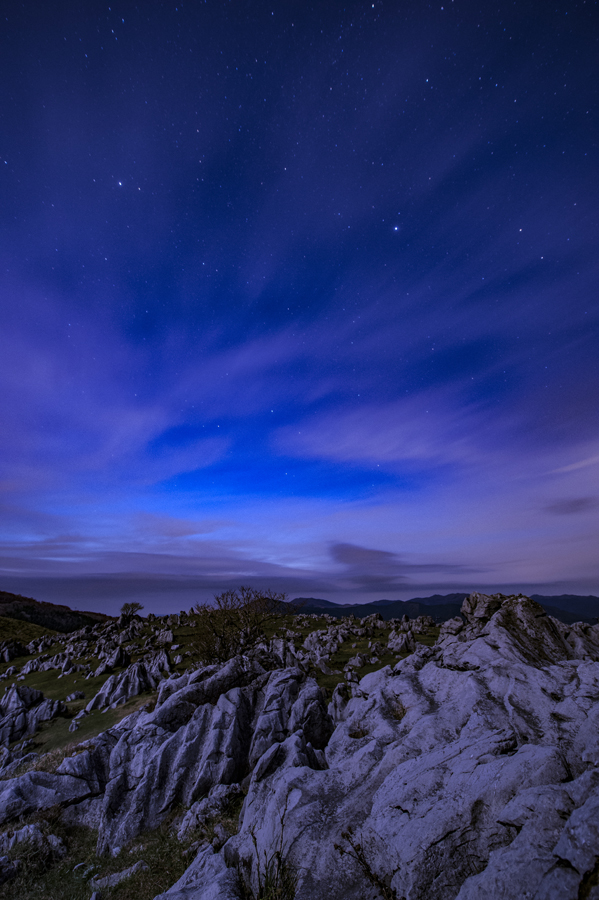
(469, 770)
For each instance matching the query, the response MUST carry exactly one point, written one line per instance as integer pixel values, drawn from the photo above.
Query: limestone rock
(11, 649)
(450, 627)
(38, 790)
(158, 664)
(136, 679)
(209, 732)
(110, 881)
(208, 877)
(5, 757)
(401, 642)
(76, 695)
(22, 710)
(468, 770)
(32, 834)
(422, 624)
(118, 659)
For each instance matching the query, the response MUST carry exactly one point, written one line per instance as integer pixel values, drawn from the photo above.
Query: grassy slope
(43, 879)
(17, 630)
(47, 615)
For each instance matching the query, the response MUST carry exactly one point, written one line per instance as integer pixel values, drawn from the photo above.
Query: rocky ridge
(468, 769)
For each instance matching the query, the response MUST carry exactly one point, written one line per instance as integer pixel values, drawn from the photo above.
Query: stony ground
(359, 759)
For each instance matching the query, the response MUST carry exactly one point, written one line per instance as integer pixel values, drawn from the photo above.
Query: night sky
(298, 295)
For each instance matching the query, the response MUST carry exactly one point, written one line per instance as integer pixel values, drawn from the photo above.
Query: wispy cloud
(581, 464)
(334, 329)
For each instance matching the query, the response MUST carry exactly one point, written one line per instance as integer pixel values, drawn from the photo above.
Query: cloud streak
(323, 317)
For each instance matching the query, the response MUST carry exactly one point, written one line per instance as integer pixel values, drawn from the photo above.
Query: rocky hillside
(337, 759)
(49, 615)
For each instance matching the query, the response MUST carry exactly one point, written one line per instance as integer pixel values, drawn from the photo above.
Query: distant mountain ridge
(57, 617)
(584, 607)
(48, 615)
(567, 608)
(387, 609)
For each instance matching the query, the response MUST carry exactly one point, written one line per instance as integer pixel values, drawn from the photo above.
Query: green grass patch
(43, 878)
(164, 855)
(347, 651)
(55, 735)
(59, 688)
(428, 639)
(17, 630)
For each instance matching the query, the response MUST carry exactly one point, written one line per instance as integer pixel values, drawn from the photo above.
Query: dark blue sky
(298, 295)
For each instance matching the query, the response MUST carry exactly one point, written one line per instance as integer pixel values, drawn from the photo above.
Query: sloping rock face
(469, 770)
(22, 710)
(39, 790)
(135, 680)
(209, 732)
(119, 688)
(208, 728)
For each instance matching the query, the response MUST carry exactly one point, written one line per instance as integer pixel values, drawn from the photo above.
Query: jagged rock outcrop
(22, 710)
(119, 659)
(209, 732)
(137, 679)
(76, 695)
(208, 868)
(10, 762)
(119, 688)
(32, 834)
(165, 637)
(11, 649)
(469, 770)
(401, 642)
(110, 881)
(39, 790)
(79, 781)
(5, 757)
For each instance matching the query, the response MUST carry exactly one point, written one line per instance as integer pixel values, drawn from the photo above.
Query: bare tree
(131, 609)
(235, 622)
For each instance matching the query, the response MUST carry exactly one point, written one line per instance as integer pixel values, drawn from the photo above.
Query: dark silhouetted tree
(235, 622)
(131, 609)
